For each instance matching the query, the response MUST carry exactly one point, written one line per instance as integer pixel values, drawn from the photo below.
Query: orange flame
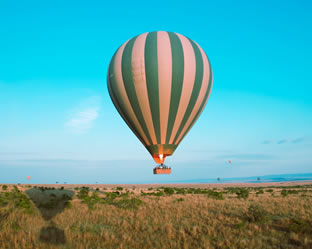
(159, 159)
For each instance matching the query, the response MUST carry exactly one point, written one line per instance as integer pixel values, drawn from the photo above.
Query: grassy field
(33, 216)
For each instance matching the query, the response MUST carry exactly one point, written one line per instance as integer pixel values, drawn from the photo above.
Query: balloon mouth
(160, 151)
(160, 159)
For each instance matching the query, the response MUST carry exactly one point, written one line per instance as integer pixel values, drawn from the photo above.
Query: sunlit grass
(164, 217)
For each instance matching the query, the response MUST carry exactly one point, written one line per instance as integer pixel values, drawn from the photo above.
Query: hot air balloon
(28, 177)
(230, 161)
(160, 83)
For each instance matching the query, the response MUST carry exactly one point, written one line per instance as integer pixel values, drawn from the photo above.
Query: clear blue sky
(57, 122)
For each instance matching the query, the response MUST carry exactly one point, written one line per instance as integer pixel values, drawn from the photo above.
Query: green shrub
(169, 191)
(132, 203)
(241, 225)
(158, 193)
(4, 187)
(242, 193)
(16, 199)
(119, 188)
(215, 195)
(260, 192)
(179, 199)
(180, 191)
(300, 226)
(256, 214)
(68, 205)
(284, 192)
(92, 200)
(112, 195)
(15, 189)
(83, 193)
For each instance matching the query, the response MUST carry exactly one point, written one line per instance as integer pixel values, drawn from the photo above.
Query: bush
(215, 195)
(242, 193)
(92, 200)
(300, 226)
(132, 203)
(111, 195)
(180, 191)
(16, 199)
(260, 192)
(4, 187)
(179, 199)
(284, 193)
(158, 193)
(169, 191)
(83, 193)
(15, 189)
(68, 205)
(256, 214)
(119, 188)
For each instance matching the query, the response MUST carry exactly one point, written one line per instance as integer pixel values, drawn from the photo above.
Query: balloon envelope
(28, 177)
(160, 83)
(230, 161)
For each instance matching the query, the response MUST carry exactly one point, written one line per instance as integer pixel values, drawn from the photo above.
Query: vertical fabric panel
(151, 72)
(117, 87)
(140, 84)
(177, 80)
(129, 86)
(196, 89)
(164, 57)
(188, 83)
(202, 99)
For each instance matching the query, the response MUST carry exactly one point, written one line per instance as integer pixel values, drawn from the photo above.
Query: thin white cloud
(287, 141)
(83, 118)
(283, 141)
(299, 140)
(267, 142)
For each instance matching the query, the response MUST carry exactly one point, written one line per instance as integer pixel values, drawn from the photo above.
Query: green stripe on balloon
(127, 76)
(151, 72)
(202, 105)
(115, 99)
(196, 89)
(177, 80)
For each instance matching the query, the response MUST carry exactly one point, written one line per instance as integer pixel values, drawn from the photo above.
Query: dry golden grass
(266, 220)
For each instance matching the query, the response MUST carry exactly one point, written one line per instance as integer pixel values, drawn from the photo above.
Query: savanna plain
(271, 215)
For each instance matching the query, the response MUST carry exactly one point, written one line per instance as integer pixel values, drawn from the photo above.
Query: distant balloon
(230, 161)
(160, 83)
(28, 177)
